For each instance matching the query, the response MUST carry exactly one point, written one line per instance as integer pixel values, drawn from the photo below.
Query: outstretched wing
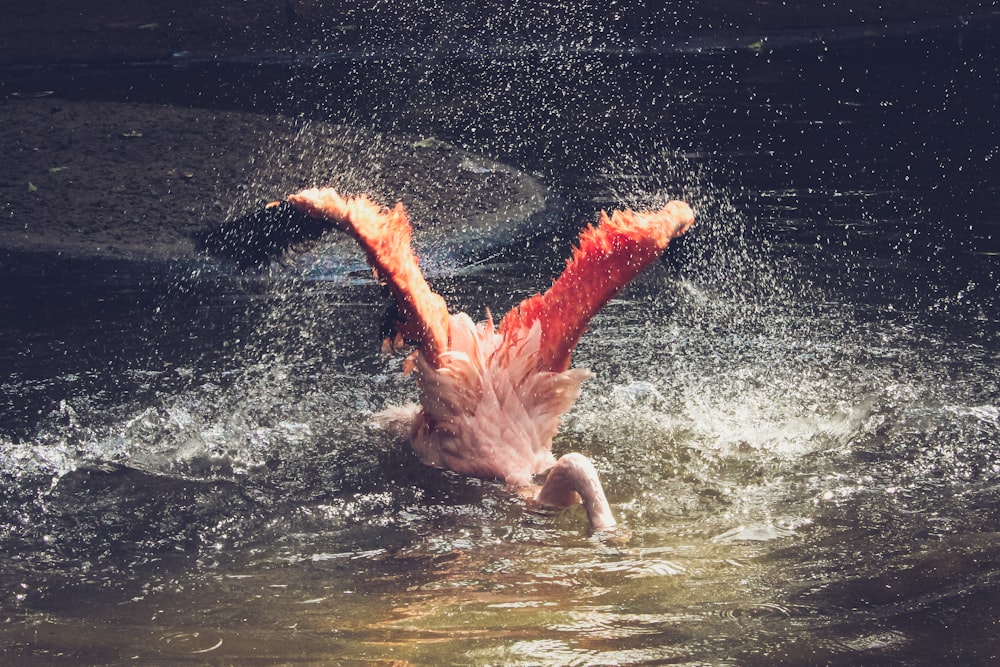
(384, 234)
(607, 258)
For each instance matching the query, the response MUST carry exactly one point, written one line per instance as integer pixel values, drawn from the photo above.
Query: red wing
(608, 257)
(384, 235)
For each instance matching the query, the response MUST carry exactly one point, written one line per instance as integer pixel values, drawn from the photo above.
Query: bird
(492, 395)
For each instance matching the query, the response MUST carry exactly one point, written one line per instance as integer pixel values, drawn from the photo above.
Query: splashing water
(800, 433)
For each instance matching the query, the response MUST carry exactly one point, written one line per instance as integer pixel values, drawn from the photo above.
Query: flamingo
(492, 396)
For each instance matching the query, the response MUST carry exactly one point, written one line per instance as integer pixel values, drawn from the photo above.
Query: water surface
(796, 413)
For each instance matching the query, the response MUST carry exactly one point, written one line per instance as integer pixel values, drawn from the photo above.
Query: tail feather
(607, 258)
(385, 236)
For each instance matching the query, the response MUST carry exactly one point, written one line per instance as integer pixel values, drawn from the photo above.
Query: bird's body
(492, 397)
(488, 409)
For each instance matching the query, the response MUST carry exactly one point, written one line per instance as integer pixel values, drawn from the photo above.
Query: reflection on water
(797, 413)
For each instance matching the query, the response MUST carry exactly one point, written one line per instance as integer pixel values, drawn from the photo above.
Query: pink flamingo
(492, 397)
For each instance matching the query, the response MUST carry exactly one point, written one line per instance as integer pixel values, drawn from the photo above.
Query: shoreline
(142, 181)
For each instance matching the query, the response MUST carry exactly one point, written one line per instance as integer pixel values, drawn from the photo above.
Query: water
(796, 413)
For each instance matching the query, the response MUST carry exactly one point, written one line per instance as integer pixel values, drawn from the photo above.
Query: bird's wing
(607, 258)
(384, 234)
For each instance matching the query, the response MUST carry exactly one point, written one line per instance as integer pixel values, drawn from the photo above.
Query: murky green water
(797, 413)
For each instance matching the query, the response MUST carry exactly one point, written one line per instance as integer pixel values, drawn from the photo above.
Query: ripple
(600, 624)
(641, 568)
(190, 642)
(757, 611)
(765, 531)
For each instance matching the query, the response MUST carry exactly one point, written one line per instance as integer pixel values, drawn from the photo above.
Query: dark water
(797, 412)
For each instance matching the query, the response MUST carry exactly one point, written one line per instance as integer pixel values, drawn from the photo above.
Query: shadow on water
(796, 412)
